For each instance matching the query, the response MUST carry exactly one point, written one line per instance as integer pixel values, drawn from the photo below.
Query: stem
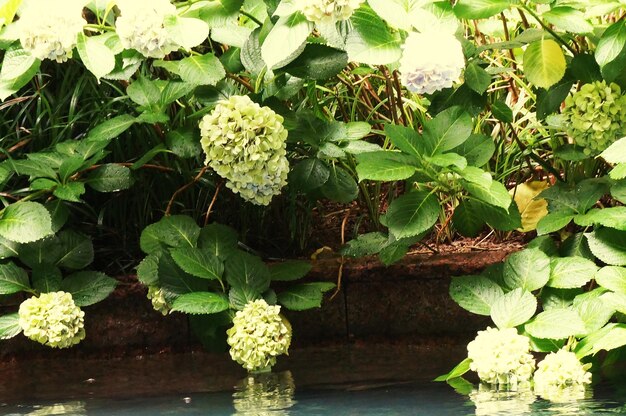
(251, 17)
(549, 30)
(208, 211)
(182, 189)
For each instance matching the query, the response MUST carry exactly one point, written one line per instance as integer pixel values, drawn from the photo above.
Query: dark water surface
(347, 380)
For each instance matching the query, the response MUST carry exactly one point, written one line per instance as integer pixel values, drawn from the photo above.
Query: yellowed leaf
(531, 209)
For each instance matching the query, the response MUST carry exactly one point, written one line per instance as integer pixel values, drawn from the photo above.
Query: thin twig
(343, 259)
(182, 189)
(208, 211)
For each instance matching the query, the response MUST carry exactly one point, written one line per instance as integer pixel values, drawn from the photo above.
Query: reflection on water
(265, 394)
(492, 402)
(74, 408)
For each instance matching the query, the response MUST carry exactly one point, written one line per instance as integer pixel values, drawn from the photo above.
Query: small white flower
(52, 319)
(561, 377)
(141, 26)
(258, 335)
(50, 30)
(431, 61)
(322, 11)
(245, 144)
(501, 357)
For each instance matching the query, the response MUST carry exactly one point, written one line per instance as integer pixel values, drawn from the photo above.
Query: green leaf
(184, 143)
(290, 270)
(8, 248)
(610, 53)
(406, 139)
(528, 269)
(513, 308)
(8, 8)
(46, 251)
(608, 245)
(88, 287)
(558, 298)
(479, 9)
(411, 214)
(460, 369)
(610, 338)
(544, 243)
(576, 245)
(240, 296)
(618, 172)
(318, 62)
(544, 63)
(9, 326)
(396, 12)
(144, 92)
(46, 279)
(17, 69)
(370, 41)
(173, 231)
(500, 219)
(475, 293)
(245, 270)
(201, 70)
(477, 149)
(549, 100)
(25, 222)
(13, 279)
(96, 56)
(341, 186)
(304, 296)
(385, 166)
(449, 129)
(616, 152)
(571, 272)
(186, 31)
(612, 278)
(556, 324)
(199, 263)
(467, 218)
(586, 346)
(76, 250)
(365, 245)
(618, 190)
(308, 175)
(198, 303)
(110, 178)
(71, 191)
(477, 78)
(219, 240)
(286, 40)
(111, 128)
(502, 112)
(148, 270)
(613, 217)
(495, 194)
(595, 313)
(568, 19)
(174, 280)
(554, 221)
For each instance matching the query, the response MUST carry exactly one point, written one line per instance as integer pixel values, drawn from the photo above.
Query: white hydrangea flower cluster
(245, 144)
(259, 334)
(431, 61)
(157, 297)
(52, 319)
(50, 31)
(561, 377)
(141, 26)
(327, 11)
(501, 357)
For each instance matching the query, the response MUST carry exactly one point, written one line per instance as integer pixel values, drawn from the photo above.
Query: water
(367, 380)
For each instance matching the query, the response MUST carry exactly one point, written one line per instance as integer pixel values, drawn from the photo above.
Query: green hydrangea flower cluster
(245, 144)
(52, 319)
(157, 297)
(259, 334)
(596, 116)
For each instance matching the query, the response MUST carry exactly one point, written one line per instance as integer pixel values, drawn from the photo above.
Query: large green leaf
(612, 278)
(447, 130)
(240, 296)
(608, 245)
(186, 31)
(219, 240)
(25, 222)
(477, 149)
(556, 324)
(144, 92)
(406, 139)
(246, 270)
(111, 128)
(8, 248)
(610, 52)
(87, 287)
(411, 214)
(13, 279)
(494, 194)
(385, 166)
(370, 41)
(198, 262)
(172, 231)
(475, 293)
(613, 217)
(318, 62)
(616, 152)
(568, 19)
(527, 269)
(110, 178)
(477, 78)
(8, 8)
(148, 270)
(304, 296)
(571, 272)
(201, 69)
(308, 174)
(468, 219)
(286, 40)
(198, 303)
(513, 308)
(544, 63)
(76, 250)
(46, 278)
(595, 313)
(46, 251)
(340, 186)
(174, 280)
(96, 56)
(18, 67)
(289, 270)
(9, 326)
(479, 9)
